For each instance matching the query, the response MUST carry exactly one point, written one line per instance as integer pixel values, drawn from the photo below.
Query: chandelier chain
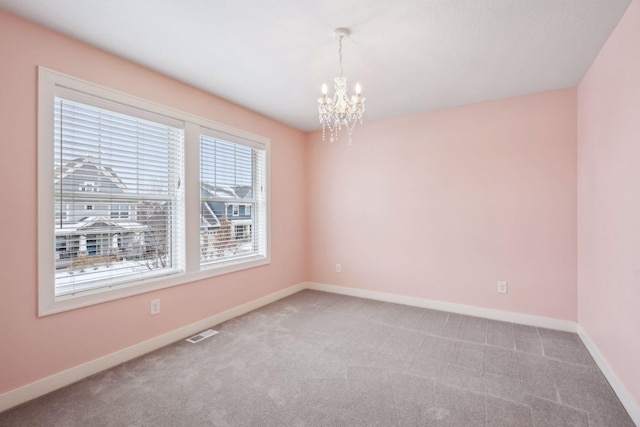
(340, 52)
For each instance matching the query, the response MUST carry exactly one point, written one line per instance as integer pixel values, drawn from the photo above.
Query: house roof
(100, 224)
(73, 166)
(208, 217)
(218, 191)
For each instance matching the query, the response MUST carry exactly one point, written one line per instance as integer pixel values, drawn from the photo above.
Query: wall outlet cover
(502, 287)
(155, 306)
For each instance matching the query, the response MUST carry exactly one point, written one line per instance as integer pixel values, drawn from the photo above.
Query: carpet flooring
(321, 359)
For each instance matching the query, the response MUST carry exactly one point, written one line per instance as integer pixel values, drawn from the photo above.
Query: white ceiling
(272, 56)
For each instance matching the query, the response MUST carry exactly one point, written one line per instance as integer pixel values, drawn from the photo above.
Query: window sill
(52, 305)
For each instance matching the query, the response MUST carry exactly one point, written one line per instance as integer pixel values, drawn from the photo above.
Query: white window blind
(129, 210)
(118, 194)
(233, 200)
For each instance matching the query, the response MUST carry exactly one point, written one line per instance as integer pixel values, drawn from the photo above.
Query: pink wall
(442, 205)
(609, 201)
(437, 205)
(32, 348)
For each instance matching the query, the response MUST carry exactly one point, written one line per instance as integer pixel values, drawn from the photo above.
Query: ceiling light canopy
(340, 111)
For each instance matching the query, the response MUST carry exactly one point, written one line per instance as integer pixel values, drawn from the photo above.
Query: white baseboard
(61, 379)
(38, 388)
(618, 387)
(507, 316)
(544, 322)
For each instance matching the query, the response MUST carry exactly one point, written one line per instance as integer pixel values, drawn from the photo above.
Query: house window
(241, 232)
(232, 172)
(118, 168)
(89, 186)
(119, 212)
(62, 213)
(247, 210)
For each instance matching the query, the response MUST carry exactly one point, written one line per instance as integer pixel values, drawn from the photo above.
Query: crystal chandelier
(340, 111)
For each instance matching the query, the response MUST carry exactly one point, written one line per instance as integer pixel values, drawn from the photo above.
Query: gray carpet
(319, 359)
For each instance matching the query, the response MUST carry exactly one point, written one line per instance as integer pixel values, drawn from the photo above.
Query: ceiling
(272, 56)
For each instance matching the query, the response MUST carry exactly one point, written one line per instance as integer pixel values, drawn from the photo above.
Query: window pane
(117, 195)
(232, 201)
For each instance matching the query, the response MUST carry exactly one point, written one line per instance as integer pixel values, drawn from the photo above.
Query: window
(89, 186)
(231, 174)
(119, 211)
(242, 232)
(62, 213)
(120, 215)
(138, 158)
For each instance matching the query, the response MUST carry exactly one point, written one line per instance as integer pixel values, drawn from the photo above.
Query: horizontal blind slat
(230, 213)
(103, 159)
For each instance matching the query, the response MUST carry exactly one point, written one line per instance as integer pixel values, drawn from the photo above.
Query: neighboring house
(95, 215)
(225, 218)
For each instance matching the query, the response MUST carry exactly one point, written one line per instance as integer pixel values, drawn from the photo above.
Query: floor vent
(202, 335)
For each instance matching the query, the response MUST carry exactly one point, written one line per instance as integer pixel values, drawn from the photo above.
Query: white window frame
(48, 303)
(261, 244)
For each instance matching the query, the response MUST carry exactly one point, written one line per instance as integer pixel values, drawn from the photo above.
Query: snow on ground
(68, 280)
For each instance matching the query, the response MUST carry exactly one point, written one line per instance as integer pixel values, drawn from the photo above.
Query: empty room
(320, 213)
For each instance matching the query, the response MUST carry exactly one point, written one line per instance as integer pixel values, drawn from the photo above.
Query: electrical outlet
(155, 306)
(338, 268)
(502, 287)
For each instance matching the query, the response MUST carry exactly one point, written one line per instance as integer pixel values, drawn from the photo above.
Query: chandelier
(340, 111)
